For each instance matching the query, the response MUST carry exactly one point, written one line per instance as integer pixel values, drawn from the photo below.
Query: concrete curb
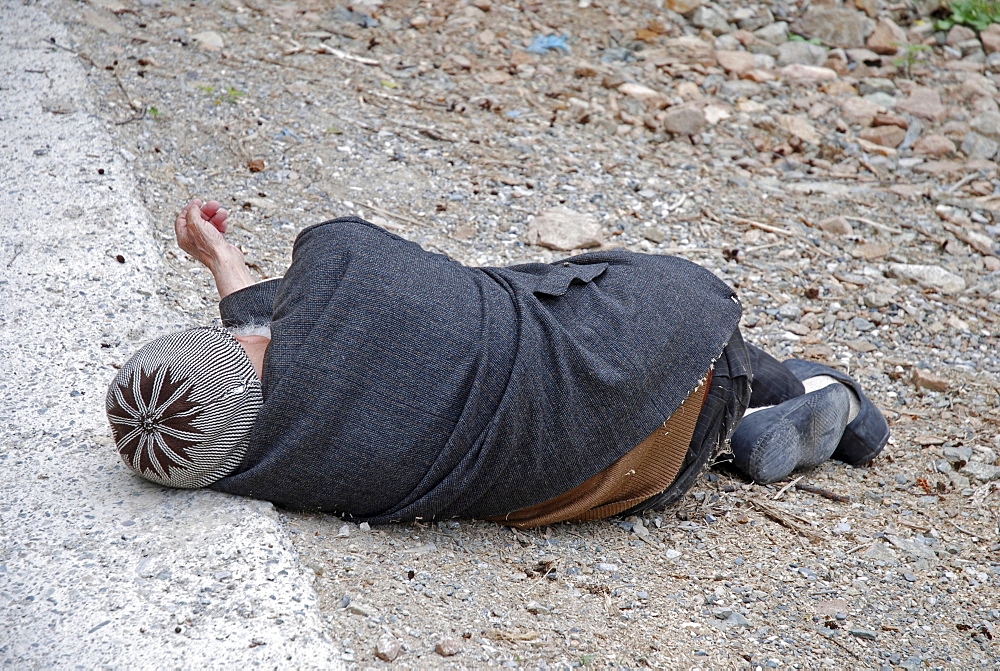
(97, 567)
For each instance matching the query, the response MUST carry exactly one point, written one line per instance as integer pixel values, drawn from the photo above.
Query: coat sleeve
(252, 305)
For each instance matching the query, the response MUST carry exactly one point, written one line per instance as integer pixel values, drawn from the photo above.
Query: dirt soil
(435, 120)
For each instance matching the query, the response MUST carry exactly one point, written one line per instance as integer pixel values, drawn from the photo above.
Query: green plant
(230, 95)
(153, 112)
(978, 14)
(793, 37)
(911, 53)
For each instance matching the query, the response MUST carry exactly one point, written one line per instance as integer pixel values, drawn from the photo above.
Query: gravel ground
(847, 186)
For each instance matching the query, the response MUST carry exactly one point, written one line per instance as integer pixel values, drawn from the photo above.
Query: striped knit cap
(182, 408)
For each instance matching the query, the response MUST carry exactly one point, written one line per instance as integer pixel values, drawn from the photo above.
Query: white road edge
(99, 568)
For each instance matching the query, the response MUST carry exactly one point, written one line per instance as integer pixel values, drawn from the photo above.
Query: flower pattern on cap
(153, 434)
(182, 408)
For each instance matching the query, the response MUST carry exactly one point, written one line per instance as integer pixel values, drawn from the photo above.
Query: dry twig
(833, 640)
(859, 547)
(764, 227)
(394, 215)
(343, 55)
(964, 531)
(536, 583)
(416, 104)
(787, 520)
(682, 250)
(513, 638)
(784, 489)
(52, 42)
(825, 493)
(875, 224)
(962, 182)
(17, 252)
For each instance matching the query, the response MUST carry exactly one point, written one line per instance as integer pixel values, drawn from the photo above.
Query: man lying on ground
(383, 382)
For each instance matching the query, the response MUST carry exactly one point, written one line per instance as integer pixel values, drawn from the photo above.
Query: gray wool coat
(400, 384)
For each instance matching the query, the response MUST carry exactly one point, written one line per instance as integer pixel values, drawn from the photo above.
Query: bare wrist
(230, 272)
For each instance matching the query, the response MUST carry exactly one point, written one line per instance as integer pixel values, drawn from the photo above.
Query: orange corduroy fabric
(646, 470)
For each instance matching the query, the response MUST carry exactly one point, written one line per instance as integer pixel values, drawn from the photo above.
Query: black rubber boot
(867, 433)
(772, 383)
(800, 433)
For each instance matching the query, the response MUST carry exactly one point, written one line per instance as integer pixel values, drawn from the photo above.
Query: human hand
(200, 230)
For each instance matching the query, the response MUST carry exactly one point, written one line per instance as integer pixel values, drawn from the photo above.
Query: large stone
(870, 147)
(975, 87)
(891, 119)
(835, 27)
(934, 145)
(977, 470)
(838, 226)
(564, 229)
(640, 92)
(924, 379)
(807, 72)
(776, 33)
(885, 136)
(737, 62)
(801, 52)
(683, 6)
(799, 126)
(975, 146)
(859, 111)
(871, 85)
(447, 647)
(958, 34)
(981, 242)
(887, 38)
(987, 286)
(691, 49)
(753, 18)
(929, 277)
(987, 124)
(388, 648)
(915, 547)
(763, 61)
(684, 120)
(991, 38)
(739, 88)
(864, 57)
(869, 7)
(941, 168)
(838, 88)
(209, 40)
(710, 19)
(923, 102)
(882, 554)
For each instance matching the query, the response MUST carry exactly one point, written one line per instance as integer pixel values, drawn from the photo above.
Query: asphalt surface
(97, 567)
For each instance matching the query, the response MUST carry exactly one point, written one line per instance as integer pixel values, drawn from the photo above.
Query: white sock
(820, 381)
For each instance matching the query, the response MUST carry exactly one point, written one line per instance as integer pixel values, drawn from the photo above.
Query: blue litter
(287, 133)
(544, 43)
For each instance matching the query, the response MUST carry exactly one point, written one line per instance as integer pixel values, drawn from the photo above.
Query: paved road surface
(98, 568)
